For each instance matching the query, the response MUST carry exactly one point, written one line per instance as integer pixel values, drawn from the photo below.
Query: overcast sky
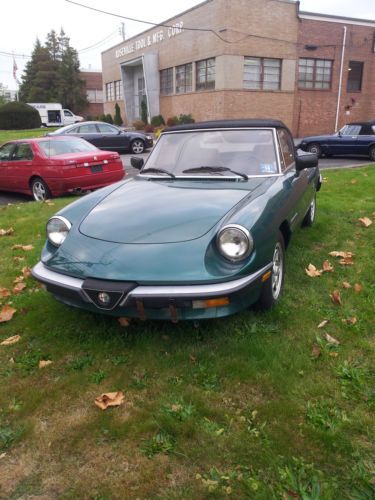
(23, 21)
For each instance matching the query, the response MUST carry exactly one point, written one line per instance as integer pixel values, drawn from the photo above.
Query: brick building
(246, 59)
(94, 92)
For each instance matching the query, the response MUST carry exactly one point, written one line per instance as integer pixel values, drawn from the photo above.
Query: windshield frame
(212, 176)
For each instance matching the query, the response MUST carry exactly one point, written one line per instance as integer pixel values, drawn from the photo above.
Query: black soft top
(256, 122)
(366, 127)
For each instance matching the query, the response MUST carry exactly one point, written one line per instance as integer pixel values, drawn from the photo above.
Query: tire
(309, 218)
(371, 153)
(39, 189)
(273, 286)
(137, 146)
(315, 148)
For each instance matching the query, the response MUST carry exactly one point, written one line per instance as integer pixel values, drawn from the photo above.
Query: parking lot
(324, 163)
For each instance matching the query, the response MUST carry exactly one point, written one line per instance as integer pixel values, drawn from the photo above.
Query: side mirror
(137, 162)
(307, 160)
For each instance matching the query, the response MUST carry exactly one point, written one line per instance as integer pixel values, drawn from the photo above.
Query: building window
(94, 95)
(205, 74)
(355, 72)
(184, 78)
(262, 74)
(109, 91)
(166, 81)
(118, 90)
(314, 73)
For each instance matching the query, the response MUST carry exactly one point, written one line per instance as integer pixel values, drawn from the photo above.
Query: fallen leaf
(26, 248)
(353, 181)
(327, 267)
(346, 261)
(19, 287)
(345, 284)
(123, 321)
(18, 259)
(6, 232)
(365, 174)
(350, 321)
(4, 292)
(365, 221)
(109, 399)
(315, 352)
(312, 271)
(43, 363)
(2, 455)
(6, 313)
(344, 255)
(332, 340)
(19, 279)
(11, 340)
(357, 287)
(323, 323)
(26, 271)
(336, 297)
(192, 359)
(333, 354)
(176, 408)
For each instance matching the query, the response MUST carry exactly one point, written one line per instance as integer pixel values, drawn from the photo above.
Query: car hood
(153, 211)
(318, 138)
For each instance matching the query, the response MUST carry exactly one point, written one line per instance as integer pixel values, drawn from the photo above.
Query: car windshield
(215, 153)
(350, 130)
(62, 147)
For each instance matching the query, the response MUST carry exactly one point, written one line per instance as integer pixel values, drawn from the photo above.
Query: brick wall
(93, 81)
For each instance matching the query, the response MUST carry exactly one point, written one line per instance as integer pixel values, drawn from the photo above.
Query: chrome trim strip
(186, 291)
(41, 273)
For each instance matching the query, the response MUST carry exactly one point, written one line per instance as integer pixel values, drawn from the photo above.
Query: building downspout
(340, 79)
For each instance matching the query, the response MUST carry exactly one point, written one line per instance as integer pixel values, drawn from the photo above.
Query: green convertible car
(201, 232)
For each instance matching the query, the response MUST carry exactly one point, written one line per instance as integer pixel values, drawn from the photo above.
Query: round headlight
(57, 230)
(234, 242)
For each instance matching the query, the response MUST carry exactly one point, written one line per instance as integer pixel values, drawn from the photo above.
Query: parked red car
(47, 167)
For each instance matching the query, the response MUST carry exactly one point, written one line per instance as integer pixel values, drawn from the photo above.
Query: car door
(346, 141)
(6, 152)
(20, 166)
(112, 138)
(89, 132)
(68, 117)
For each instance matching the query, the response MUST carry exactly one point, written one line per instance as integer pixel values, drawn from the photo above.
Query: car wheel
(137, 146)
(310, 216)
(272, 287)
(371, 153)
(315, 148)
(40, 190)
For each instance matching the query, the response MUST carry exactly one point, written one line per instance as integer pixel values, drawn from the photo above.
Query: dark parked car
(352, 139)
(201, 232)
(109, 137)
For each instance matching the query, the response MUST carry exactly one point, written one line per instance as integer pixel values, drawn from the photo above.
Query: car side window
(23, 152)
(67, 113)
(86, 129)
(6, 152)
(106, 129)
(286, 149)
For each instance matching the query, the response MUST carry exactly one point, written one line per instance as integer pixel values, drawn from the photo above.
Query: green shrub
(185, 119)
(118, 118)
(138, 125)
(157, 121)
(172, 120)
(108, 118)
(102, 118)
(18, 115)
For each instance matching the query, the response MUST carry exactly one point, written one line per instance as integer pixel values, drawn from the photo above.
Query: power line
(111, 35)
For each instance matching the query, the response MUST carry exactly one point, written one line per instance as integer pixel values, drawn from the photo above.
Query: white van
(52, 114)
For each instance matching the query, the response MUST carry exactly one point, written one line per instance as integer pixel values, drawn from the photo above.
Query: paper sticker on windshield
(267, 168)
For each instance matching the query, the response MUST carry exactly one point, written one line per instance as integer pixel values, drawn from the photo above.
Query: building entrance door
(141, 95)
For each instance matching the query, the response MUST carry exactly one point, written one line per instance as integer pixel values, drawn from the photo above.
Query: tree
(118, 119)
(71, 89)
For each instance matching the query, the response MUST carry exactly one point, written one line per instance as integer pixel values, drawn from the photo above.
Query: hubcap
(315, 150)
(277, 271)
(39, 191)
(137, 147)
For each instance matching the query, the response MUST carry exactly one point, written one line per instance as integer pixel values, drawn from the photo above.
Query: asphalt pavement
(324, 163)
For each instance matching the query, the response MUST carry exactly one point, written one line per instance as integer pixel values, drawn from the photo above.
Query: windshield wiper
(157, 170)
(209, 169)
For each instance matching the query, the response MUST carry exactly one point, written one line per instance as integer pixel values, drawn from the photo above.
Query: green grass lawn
(10, 135)
(252, 406)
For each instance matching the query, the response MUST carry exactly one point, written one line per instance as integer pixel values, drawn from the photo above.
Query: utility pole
(121, 30)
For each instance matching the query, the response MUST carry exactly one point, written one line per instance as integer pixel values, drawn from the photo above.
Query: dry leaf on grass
(2, 455)
(44, 362)
(365, 221)
(346, 261)
(11, 340)
(6, 232)
(333, 354)
(353, 181)
(336, 297)
(18, 279)
(312, 271)
(6, 313)
(350, 321)
(327, 267)
(192, 359)
(123, 321)
(323, 323)
(357, 288)
(344, 255)
(345, 284)
(4, 292)
(19, 287)
(26, 248)
(332, 340)
(109, 399)
(26, 271)
(18, 259)
(315, 352)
